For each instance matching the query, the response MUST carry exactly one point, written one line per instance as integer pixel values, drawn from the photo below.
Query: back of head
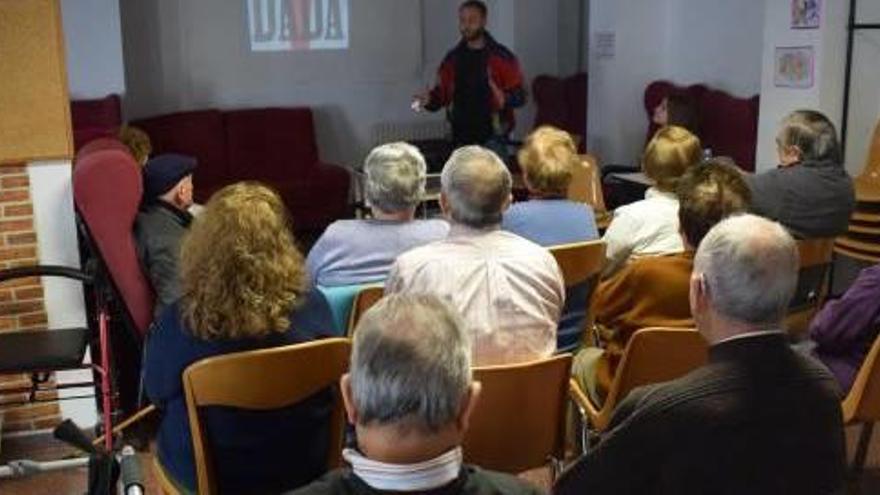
(240, 272)
(708, 193)
(548, 158)
(813, 134)
(410, 364)
(395, 177)
(749, 267)
(669, 154)
(476, 185)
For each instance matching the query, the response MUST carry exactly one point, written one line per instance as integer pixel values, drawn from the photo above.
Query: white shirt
(508, 289)
(645, 228)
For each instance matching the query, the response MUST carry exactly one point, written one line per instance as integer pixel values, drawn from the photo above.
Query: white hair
(395, 177)
(749, 266)
(411, 363)
(477, 185)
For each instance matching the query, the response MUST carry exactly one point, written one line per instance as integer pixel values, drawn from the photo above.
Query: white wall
(94, 48)
(190, 55)
(829, 44)
(717, 42)
(864, 106)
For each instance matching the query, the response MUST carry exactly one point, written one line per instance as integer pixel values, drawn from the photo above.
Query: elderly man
(361, 251)
(809, 192)
(509, 290)
(409, 394)
(163, 220)
(758, 418)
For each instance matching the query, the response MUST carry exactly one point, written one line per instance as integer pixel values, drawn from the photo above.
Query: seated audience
(676, 109)
(137, 141)
(758, 418)
(353, 252)
(509, 290)
(810, 192)
(650, 226)
(653, 291)
(549, 218)
(845, 329)
(241, 276)
(163, 220)
(409, 393)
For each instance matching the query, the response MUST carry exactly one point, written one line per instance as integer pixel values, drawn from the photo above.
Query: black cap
(163, 172)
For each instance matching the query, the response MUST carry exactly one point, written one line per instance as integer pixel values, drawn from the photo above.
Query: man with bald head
(759, 418)
(509, 290)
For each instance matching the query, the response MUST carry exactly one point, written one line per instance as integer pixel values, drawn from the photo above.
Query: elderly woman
(650, 226)
(547, 161)
(241, 277)
(810, 192)
(355, 252)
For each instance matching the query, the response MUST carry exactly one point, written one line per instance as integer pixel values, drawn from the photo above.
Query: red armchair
(273, 145)
(92, 119)
(726, 124)
(562, 103)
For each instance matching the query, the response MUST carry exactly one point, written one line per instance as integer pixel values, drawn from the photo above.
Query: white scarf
(426, 475)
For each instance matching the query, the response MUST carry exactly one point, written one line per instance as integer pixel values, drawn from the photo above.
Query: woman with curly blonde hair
(241, 278)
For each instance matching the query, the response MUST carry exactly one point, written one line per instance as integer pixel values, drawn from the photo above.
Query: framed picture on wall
(793, 67)
(806, 14)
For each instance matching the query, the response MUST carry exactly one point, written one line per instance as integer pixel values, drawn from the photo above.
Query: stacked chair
(862, 240)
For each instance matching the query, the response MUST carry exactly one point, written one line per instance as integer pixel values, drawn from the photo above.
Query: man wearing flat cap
(164, 218)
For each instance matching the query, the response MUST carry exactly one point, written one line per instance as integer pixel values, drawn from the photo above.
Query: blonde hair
(669, 154)
(548, 159)
(137, 141)
(240, 271)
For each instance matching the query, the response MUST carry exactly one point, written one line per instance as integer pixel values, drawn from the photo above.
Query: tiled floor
(74, 481)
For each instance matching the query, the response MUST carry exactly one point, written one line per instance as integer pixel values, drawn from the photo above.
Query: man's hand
(421, 100)
(497, 93)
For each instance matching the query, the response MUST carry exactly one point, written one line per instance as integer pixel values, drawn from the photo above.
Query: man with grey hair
(352, 252)
(409, 392)
(509, 290)
(809, 192)
(758, 418)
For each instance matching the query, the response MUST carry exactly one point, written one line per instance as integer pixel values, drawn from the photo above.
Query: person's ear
(699, 294)
(444, 204)
(348, 399)
(507, 203)
(472, 396)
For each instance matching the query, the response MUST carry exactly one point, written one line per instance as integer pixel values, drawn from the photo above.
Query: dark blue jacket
(253, 451)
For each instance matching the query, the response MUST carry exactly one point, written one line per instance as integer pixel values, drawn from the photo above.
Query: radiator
(387, 132)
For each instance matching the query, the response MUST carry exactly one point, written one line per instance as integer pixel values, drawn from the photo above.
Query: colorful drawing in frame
(793, 67)
(806, 14)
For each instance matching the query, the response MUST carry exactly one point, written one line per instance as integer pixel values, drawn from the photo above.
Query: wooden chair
(652, 355)
(586, 187)
(813, 281)
(862, 404)
(862, 240)
(285, 375)
(519, 420)
(581, 264)
(363, 300)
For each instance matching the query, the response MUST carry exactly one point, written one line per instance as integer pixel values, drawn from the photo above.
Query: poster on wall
(793, 67)
(806, 14)
(285, 25)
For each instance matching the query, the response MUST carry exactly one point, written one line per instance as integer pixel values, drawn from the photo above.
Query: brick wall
(21, 301)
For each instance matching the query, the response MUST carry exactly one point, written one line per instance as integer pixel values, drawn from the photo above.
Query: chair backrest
(871, 172)
(339, 300)
(285, 375)
(579, 261)
(812, 286)
(519, 419)
(586, 184)
(107, 191)
(364, 300)
(862, 403)
(656, 355)
(562, 103)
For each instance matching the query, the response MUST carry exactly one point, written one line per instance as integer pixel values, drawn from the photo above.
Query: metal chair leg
(858, 464)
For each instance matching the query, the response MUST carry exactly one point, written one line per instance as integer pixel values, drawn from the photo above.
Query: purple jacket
(845, 329)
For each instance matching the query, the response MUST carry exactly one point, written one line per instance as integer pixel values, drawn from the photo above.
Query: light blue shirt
(355, 252)
(550, 222)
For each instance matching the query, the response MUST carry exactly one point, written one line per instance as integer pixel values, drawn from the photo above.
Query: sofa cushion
(317, 201)
(199, 134)
(271, 144)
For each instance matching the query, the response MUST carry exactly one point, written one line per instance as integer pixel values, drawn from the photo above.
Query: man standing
(759, 418)
(480, 79)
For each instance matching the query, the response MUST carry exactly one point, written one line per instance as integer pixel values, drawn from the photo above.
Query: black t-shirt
(471, 114)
